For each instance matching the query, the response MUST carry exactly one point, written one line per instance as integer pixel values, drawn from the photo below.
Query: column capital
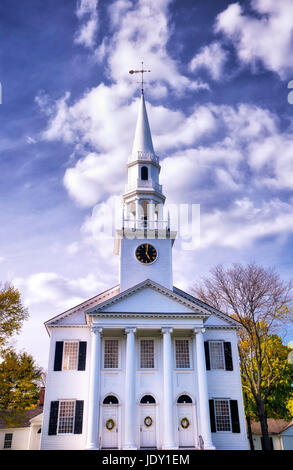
(167, 329)
(130, 329)
(96, 329)
(198, 330)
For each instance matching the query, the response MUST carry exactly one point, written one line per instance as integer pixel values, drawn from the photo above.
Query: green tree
(20, 378)
(290, 407)
(277, 379)
(12, 313)
(260, 301)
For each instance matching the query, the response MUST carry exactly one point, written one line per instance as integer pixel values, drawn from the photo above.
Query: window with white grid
(111, 354)
(70, 355)
(222, 415)
(8, 441)
(182, 354)
(147, 354)
(66, 417)
(216, 355)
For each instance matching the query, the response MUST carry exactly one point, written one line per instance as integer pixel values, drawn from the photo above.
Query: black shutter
(53, 418)
(81, 355)
(228, 356)
(78, 417)
(207, 354)
(58, 355)
(212, 416)
(234, 416)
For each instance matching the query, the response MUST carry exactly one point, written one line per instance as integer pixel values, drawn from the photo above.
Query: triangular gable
(148, 297)
(37, 419)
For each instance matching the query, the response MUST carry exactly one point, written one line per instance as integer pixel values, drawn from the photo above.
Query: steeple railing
(145, 156)
(143, 184)
(146, 224)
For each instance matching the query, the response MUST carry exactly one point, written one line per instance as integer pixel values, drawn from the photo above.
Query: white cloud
(143, 34)
(266, 37)
(86, 32)
(95, 177)
(218, 167)
(86, 7)
(73, 248)
(272, 161)
(61, 292)
(212, 58)
(245, 223)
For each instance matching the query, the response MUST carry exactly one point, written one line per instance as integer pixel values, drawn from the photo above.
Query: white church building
(143, 364)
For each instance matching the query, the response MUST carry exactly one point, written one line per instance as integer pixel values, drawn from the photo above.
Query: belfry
(143, 214)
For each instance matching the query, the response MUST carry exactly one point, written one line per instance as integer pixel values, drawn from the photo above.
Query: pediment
(148, 297)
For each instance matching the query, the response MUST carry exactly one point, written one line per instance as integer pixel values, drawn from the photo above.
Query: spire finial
(142, 71)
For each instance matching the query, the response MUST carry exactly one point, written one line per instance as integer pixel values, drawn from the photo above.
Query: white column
(168, 439)
(151, 214)
(29, 447)
(130, 403)
(138, 213)
(160, 208)
(203, 408)
(94, 391)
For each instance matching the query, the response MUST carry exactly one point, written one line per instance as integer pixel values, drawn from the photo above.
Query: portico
(148, 363)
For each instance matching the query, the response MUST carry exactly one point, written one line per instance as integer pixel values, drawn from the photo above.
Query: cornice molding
(82, 306)
(146, 315)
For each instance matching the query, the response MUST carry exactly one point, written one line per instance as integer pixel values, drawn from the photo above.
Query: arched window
(144, 173)
(147, 399)
(110, 400)
(184, 399)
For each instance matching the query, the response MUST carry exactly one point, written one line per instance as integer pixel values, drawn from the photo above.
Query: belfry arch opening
(144, 173)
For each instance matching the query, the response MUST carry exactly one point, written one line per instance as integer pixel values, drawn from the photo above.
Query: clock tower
(144, 242)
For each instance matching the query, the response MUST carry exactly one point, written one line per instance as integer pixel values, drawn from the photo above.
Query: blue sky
(220, 120)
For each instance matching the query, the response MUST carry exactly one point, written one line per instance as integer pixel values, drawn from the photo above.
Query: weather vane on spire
(142, 71)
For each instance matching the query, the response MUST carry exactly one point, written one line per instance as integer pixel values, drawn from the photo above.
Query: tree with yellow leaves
(12, 313)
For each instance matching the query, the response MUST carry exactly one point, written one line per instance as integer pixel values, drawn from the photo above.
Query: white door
(186, 425)
(148, 426)
(109, 432)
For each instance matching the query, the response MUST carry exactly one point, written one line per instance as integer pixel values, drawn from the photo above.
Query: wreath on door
(184, 423)
(148, 421)
(110, 424)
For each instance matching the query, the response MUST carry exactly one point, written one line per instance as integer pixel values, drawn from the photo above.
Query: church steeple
(143, 198)
(145, 240)
(143, 138)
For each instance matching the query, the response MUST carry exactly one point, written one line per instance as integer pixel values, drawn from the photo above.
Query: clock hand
(147, 247)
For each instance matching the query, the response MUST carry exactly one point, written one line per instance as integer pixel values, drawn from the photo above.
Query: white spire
(143, 139)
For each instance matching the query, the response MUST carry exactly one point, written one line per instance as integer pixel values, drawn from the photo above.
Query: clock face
(146, 253)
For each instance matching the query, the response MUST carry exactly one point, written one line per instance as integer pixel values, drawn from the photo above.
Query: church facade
(143, 364)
